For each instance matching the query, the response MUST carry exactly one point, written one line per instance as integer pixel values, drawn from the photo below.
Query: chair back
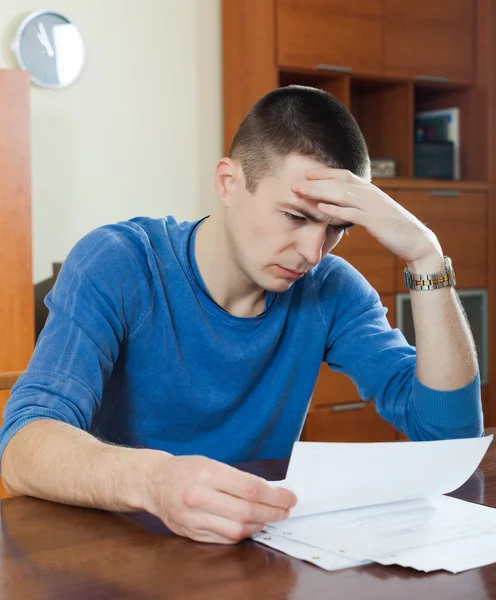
(7, 380)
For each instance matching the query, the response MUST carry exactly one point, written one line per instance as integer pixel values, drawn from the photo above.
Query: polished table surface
(54, 551)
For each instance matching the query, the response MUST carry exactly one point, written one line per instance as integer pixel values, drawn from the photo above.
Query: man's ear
(227, 179)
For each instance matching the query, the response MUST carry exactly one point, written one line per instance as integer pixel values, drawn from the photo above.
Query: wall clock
(50, 47)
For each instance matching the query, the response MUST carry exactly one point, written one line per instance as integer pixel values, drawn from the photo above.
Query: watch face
(50, 47)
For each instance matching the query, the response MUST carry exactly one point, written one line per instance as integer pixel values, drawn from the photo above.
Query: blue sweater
(135, 352)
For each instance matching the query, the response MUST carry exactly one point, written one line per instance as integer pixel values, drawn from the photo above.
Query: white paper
(335, 476)
(427, 534)
(324, 530)
(322, 558)
(384, 503)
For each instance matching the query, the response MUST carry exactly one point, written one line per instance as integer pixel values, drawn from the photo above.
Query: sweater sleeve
(100, 298)
(380, 362)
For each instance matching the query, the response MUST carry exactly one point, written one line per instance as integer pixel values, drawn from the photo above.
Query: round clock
(50, 47)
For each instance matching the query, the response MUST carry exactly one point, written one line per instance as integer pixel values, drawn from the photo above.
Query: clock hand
(45, 42)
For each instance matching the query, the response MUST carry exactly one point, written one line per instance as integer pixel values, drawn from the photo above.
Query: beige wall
(138, 133)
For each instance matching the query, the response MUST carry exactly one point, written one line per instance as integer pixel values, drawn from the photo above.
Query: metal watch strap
(433, 281)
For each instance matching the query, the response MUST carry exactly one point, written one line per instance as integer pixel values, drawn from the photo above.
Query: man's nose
(310, 246)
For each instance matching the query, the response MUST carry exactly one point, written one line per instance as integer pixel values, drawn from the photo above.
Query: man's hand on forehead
(342, 195)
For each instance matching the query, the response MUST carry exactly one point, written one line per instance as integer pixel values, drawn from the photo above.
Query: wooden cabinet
(385, 113)
(16, 288)
(248, 40)
(458, 219)
(334, 33)
(348, 422)
(333, 388)
(429, 39)
(386, 60)
(400, 38)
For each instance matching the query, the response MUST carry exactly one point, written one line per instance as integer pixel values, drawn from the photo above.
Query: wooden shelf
(313, 74)
(386, 61)
(412, 183)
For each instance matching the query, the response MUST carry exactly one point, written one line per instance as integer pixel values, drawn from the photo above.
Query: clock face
(50, 47)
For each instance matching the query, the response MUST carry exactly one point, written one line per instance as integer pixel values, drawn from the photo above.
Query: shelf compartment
(384, 111)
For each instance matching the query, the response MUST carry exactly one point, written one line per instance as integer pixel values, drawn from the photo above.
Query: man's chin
(279, 285)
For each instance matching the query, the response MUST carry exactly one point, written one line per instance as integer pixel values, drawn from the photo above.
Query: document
(384, 502)
(331, 561)
(331, 476)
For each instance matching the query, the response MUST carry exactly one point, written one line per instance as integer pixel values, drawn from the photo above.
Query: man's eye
(340, 228)
(294, 218)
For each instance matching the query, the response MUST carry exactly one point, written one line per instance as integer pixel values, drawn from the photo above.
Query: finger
(334, 192)
(202, 535)
(250, 487)
(350, 215)
(207, 527)
(331, 173)
(231, 507)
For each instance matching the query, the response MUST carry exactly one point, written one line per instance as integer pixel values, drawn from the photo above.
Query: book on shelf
(440, 125)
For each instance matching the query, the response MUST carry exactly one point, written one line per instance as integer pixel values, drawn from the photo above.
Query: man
(173, 348)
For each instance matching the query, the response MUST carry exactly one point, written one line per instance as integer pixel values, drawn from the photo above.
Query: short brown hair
(298, 120)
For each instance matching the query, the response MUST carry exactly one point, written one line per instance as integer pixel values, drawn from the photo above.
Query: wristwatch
(421, 283)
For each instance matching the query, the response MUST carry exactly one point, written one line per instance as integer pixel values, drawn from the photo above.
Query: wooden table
(57, 552)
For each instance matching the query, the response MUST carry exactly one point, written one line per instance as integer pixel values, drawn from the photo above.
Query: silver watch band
(432, 281)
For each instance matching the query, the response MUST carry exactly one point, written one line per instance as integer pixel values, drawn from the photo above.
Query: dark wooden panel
(409, 183)
(331, 32)
(8, 379)
(16, 289)
(248, 57)
(459, 222)
(340, 87)
(426, 38)
(348, 422)
(336, 84)
(385, 114)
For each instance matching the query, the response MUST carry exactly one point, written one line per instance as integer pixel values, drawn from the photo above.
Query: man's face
(275, 235)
